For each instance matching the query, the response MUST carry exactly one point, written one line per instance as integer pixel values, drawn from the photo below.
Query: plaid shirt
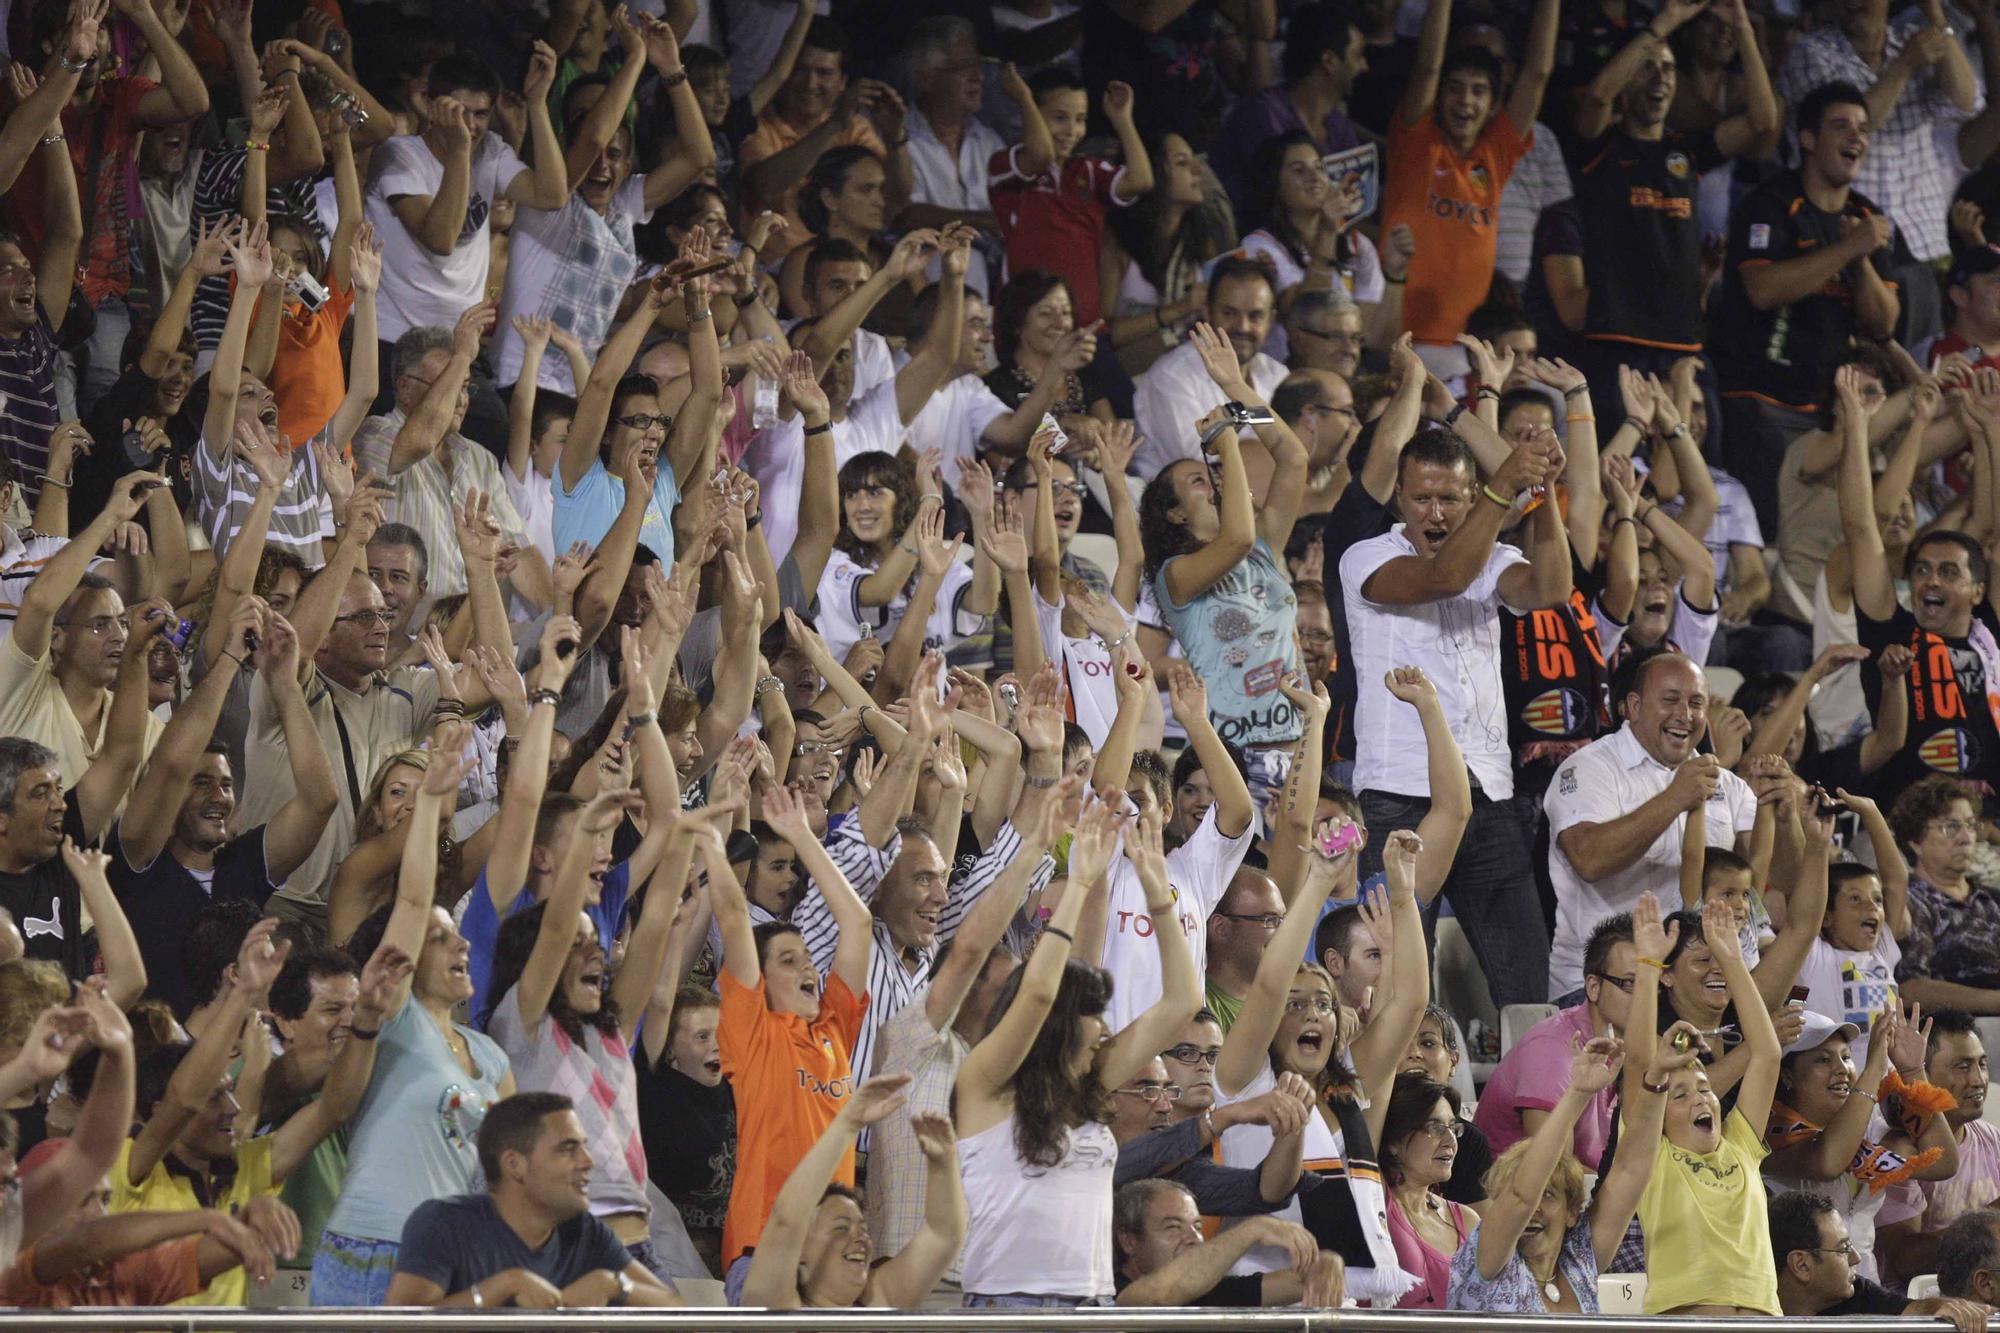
(1904, 171)
(429, 492)
(573, 266)
(897, 1169)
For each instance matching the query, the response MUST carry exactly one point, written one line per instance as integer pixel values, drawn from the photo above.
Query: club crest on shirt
(1556, 712)
(1566, 782)
(1953, 750)
(1677, 165)
(1760, 236)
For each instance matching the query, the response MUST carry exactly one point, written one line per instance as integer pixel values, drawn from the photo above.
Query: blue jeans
(350, 1271)
(1491, 887)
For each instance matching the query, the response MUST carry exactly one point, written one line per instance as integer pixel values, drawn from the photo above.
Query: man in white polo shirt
(1426, 594)
(1617, 810)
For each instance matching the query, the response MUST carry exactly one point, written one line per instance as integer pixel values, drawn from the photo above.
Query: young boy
(1851, 967)
(1717, 872)
(1050, 204)
(730, 121)
(538, 422)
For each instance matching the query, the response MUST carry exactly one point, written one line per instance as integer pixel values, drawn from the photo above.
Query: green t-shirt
(311, 1191)
(1224, 1006)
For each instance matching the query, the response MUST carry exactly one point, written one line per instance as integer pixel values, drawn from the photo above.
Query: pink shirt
(1415, 1255)
(1533, 1076)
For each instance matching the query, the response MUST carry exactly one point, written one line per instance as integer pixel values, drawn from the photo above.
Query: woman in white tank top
(1290, 1023)
(1035, 1153)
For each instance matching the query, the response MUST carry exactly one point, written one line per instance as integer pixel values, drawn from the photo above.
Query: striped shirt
(218, 193)
(22, 556)
(891, 985)
(429, 493)
(225, 489)
(28, 410)
(897, 1168)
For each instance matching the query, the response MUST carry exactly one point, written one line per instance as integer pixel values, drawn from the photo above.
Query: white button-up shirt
(1605, 780)
(1456, 641)
(1175, 394)
(939, 179)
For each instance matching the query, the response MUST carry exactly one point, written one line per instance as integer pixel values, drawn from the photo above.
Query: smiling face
(164, 155)
(911, 899)
(203, 822)
(1854, 914)
(399, 572)
(175, 381)
(684, 744)
(1653, 616)
(1695, 983)
(1943, 590)
(1430, 1052)
(1464, 104)
(791, 983)
(1333, 343)
(17, 291)
(1669, 713)
(582, 983)
(314, 1038)
(444, 964)
(609, 172)
(1302, 182)
(1835, 152)
(975, 338)
(694, 1049)
(1957, 1063)
(1731, 887)
(89, 639)
(833, 1263)
(1432, 499)
(1047, 320)
(1315, 622)
(1067, 111)
(776, 883)
(636, 431)
(399, 795)
(211, 1135)
(1194, 492)
(869, 510)
(1066, 500)
(1191, 801)
(1648, 97)
(1310, 1028)
(816, 83)
(1241, 308)
(1694, 1112)
(1817, 1082)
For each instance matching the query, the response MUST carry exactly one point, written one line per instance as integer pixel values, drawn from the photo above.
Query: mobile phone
(1049, 423)
(1339, 839)
(1010, 694)
(179, 635)
(1799, 994)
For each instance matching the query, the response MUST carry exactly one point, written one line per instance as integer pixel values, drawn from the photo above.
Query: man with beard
(1636, 184)
(1907, 1230)
(431, 468)
(1427, 594)
(1618, 806)
(1177, 391)
(103, 121)
(174, 850)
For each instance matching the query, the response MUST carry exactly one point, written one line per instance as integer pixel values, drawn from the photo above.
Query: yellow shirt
(172, 1192)
(1707, 1238)
(33, 705)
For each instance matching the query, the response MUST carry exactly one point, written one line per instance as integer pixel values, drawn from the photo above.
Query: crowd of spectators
(1033, 655)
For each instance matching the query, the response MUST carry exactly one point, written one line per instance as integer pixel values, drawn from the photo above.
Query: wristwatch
(624, 1292)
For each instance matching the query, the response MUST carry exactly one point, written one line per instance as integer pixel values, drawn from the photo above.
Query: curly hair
(27, 987)
(510, 959)
(1163, 536)
(1048, 1099)
(1930, 799)
(875, 468)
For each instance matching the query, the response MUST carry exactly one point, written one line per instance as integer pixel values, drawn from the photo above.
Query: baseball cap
(1819, 1030)
(1971, 263)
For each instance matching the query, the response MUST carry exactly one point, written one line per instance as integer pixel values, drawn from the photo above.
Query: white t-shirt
(776, 457)
(534, 498)
(1691, 631)
(952, 421)
(1605, 780)
(1456, 640)
(1199, 871)
(1852, 985)
(843, 619)
(1735, 523)
(1246, 1147)
(1174, 394)
(1086, 668)
(418, 287)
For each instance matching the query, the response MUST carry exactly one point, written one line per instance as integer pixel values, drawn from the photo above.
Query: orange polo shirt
(1452, 204)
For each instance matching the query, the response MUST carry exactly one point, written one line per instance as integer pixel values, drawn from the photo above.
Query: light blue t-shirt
(587, 513)
(1239, 636)
(481, 926)
(416, 1134)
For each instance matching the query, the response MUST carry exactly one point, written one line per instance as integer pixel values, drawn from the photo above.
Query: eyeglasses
(367, 619)
(642, 420)
(97, 626)
(1268, 920)
(817, 747)
(1846, 1247)
(1076, 488)
(1622, 983)
(1439, 1130)
(1187, 1053)
(1951, 828)
(1154, 1092)
(1340, 339)
(1319, 1006)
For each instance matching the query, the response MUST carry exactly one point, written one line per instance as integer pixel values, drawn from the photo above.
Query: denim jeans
(1491, 888)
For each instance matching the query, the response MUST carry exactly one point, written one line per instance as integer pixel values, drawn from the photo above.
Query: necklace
(1070, 404)
(1550, 1287)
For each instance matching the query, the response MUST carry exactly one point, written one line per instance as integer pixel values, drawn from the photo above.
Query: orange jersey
(1452, 204)
(790, 1078)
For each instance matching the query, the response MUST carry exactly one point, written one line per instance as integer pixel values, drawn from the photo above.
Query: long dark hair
(510, 959)
(1267, 177)
(1168, 258)
(1410, 1105)
(1162, 536)
(830, 172)
(875, 468)
(1048, 1099)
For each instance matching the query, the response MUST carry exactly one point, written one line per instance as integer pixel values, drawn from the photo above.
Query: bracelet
(283, 72)
(1040, 784)
(55, 138)
(1118, 642)
(478, 1301)
(675, 79)
(767, 683)
(76, 67)
(51, 481)
(754, 519)
(261, 147)
(1495, 496)
(449, 707)
(549, 697)
(1487, 391)
(1636, 424)
(1863, 1092)
(639, 722)
(1451, 417)
(1625, 518)
(1576, 391)
(697, 316)
(821, 429)
(1646, 513)
(1058, 930)
(1581, 416)
(364, 1035)
(234, 658)
(1651, 962)
(744, 298)
(1680, 431)
(1650, 1088)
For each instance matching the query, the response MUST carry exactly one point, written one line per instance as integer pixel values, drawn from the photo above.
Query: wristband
(263, 146)
(1646, 513)
(1650, 1088)
(675, 79)
(1581, 416)
(549, 697)
(1487, 391)
(1627, 518)
(1651, 962)
(1680, 430)
(821, 429)
(638, 722)
(1451, 417)
(754, 519)
(1058, 930)
(906, 549)
(1495, 496)
(1040, 784)
(363, 1035)
(1576, 391)
(283, 72)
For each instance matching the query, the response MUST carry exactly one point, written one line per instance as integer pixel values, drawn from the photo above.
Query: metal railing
(183, 1319)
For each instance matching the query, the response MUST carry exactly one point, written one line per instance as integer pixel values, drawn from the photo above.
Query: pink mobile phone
(1344, 838)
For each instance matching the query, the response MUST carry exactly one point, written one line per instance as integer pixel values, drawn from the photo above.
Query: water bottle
(763, 400)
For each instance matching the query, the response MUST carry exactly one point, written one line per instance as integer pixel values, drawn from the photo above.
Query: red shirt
(116, 200)
(1949, 342)
(1055, 224)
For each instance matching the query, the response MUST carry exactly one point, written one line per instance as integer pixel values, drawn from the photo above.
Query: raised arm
(299, 824)
(1415, 580)
(58, 579)
(387, 970)
(250, 257)
(1420, 92)
(181, 94)
(49, 1197)
(564, 905)
(1378, 1051)
(1538, 65)
(33, 116)
(1038, 147)
(1136, 180)
(1246, 1047)
(124, 971)
(786, 815)
(364, 371)
(435, 220)
(1233, 807)
(1140, 1042)
(1444, 824)
(1505, 1216)
(416, 880)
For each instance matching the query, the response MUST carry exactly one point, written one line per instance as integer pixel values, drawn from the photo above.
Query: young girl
(1708, 1245)
(1031, 1098)
(1290, 1024)
(1305, 228)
